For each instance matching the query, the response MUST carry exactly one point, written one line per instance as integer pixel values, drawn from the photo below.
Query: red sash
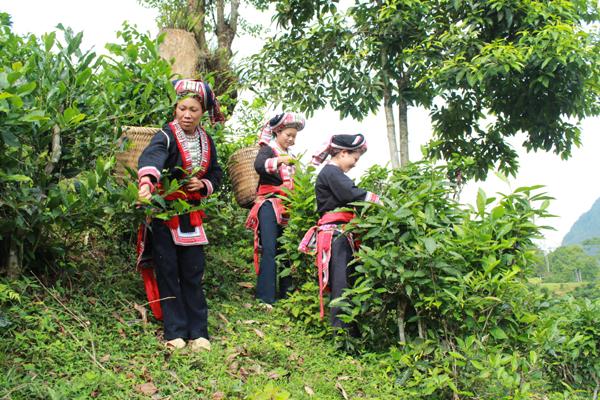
(318, 240)
(145, 265)
(252, 222)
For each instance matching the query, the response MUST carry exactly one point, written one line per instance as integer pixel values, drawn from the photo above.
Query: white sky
(572, 182)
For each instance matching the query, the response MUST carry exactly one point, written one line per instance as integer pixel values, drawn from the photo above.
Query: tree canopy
(487, 70)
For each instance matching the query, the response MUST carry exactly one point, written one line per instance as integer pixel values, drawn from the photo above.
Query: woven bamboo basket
(243, 175)
(132, 142)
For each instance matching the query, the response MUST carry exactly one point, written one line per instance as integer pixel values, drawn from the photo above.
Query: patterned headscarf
(342, 142)
(203, 93)
(279, 123)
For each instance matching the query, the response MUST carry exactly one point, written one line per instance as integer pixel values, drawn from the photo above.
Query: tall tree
(354, 60)
(215, 24)
(529, 64)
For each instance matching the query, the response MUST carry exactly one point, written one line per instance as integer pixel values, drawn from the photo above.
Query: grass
(558, 288)
(90, 335)
(563, 288)
(93, 340)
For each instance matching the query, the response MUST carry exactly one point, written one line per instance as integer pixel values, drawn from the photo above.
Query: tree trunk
(403, 129)
(391, 128)
(401, 313)
(389, 112)
(421, 326)
(56, 150)
(198, 7)
(14, 267)
(226, 28)
(199, 60)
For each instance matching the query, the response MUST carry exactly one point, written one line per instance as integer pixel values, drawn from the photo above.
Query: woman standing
(275, 167)
(181, 150)
(335, 247)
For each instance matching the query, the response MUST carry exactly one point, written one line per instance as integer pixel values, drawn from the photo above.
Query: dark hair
(334, 152)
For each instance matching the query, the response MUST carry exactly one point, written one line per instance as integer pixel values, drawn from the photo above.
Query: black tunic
(265, 177)
(163, 154)
(335, 189)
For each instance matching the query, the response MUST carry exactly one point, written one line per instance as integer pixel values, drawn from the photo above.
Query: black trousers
(179, 271)
(266, 283)
(340, 277)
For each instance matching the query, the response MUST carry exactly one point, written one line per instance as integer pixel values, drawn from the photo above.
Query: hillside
(586, 227)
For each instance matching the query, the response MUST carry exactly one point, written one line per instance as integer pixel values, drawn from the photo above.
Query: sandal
(200, 344)
(175, 344)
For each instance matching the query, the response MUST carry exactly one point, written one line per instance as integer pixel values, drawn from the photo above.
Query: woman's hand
(194, 184)
(285, 160)
(145, 189)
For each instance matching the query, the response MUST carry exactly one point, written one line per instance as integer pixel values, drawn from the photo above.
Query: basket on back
(133, 140)
(244, 178)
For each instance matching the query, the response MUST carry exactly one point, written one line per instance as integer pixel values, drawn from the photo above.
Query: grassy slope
(559, 289)
(89, 341)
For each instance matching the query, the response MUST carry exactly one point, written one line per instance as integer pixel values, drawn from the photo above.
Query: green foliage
(173, 14)
(302, 216)
(442, 294)
(569, 337)
(458, 270)
(301, 306)
(465, 368)
(61, 110)
(590, 291)
(532, 66)
(570, 264)
(135, 81)
(270, 392)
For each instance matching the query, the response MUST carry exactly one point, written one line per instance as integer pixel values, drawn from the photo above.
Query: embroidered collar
(184, 148)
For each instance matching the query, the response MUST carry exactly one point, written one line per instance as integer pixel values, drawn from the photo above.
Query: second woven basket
(244, 178)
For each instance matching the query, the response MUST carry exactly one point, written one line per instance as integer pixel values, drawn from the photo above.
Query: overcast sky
(574, 183)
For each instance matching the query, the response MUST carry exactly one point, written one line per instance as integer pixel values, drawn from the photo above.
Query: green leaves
(526, 63)
(460, 269)
(72, 116)
(34, 116)
(60, 114)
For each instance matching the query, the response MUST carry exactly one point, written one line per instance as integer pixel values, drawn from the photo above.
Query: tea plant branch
(420, 325)
(56, 150)
(401, 312)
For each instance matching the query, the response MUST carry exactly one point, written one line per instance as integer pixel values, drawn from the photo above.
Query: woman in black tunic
(181, 150)
(275, 167)
(334, 189)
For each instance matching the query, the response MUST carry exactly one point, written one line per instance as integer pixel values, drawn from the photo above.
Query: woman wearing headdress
(181, 150)
(275, 167)
(334, 246)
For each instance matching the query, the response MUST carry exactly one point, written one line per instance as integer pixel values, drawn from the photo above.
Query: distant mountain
(586, 227)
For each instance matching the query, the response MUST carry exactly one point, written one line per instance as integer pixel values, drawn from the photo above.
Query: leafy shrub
(60, 112)
(302, 216)
(432, 268)
(301, 306)
(568, 334)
